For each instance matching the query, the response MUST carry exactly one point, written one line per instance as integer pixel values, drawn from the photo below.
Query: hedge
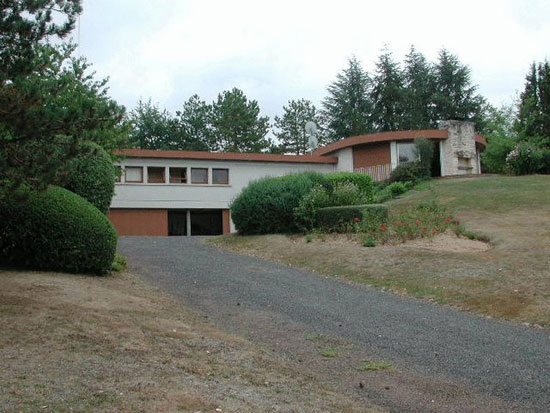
(363, 181)
(343, 217)
(92, 176)
(267, 205)
(56, 230)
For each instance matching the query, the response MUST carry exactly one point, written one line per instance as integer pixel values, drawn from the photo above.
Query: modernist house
(164, 193)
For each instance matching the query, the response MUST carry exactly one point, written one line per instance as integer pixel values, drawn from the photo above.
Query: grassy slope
(512, 280)
(105, 344)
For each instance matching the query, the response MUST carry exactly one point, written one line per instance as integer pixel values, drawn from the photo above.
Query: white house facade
(162, 193)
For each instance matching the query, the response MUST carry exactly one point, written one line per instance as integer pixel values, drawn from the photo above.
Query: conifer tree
(534, 106)
(419, 90)
(348, 106)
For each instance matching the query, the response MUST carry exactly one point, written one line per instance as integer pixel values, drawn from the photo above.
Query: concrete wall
(345, 160)
(458, 153)
(190, 196)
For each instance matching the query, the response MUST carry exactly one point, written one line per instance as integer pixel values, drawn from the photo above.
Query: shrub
(354, 217)
(397, 188)
(56, 230)
(92, 176)
(369, 243)
(424, 150)
(347, 193)
(363, 181)
(408, 172)
(528, 157)
(305, 214)
(267, 205)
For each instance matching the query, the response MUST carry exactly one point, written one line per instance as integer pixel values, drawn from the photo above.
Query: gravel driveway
(501, 360)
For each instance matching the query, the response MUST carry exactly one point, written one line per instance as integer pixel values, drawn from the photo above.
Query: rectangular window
(133, 174)
(199, 175)
(220, 176)
(118, 173)
(406, 152)
(155, 175)
(178, 175)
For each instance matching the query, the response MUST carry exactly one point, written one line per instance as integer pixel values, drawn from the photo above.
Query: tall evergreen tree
(455, 96)
(388, 94)
(194, 125)
(534, 105)
(348, 106)
(152, 128)
(290, 128)
(237, 124)
(419, 90)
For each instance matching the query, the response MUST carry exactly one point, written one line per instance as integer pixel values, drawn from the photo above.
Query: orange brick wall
(151, 222)
(371, 155)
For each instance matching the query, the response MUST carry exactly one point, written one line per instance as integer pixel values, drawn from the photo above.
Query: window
(199, 175)
(406, 152)
(155, 175)
(464, 163)
(178, 175)
(220, 176)
(134, 174)
(118, 173)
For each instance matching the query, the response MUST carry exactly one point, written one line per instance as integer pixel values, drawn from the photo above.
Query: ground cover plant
(507, 278)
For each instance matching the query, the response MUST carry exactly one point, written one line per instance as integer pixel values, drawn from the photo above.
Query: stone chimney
(458, 153)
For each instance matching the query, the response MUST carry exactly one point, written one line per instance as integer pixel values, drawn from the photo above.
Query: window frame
(170, 175)
(220, 183)
(398, 156)
(163, 174)
(126, 175)
(199, 183)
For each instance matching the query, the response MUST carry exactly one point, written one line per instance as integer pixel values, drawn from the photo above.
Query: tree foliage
(237, 125)
(49, 102)
(534, 106)
(419, 85)
(193, 122)
(388, 94)
(290, 128)
(153, 128)
(348, 106)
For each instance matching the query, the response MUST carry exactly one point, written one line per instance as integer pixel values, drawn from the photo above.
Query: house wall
(345, 160)
(192, 196)
(371, 155)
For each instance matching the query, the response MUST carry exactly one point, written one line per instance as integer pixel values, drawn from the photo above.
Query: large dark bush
(267, 205)
(92, 176)
(363, 181)
(342, 218)
(56, 230)
(408, 172)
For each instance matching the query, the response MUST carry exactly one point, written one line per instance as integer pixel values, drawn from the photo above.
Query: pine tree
(388, 94)
(290, 128)
(534, 106)
(194, 126)
(455, 96)
(347, 108)
(237, 124)
(419, 90)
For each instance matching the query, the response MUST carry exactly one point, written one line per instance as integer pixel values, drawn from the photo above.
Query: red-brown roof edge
(226, 156)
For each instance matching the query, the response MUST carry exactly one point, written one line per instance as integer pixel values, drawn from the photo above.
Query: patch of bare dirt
(115, 344)
(448, 242)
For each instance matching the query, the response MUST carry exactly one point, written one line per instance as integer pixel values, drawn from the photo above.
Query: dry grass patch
(509, 278)
(73, 343)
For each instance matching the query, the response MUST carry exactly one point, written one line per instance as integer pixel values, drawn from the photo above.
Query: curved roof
(440, 134)
(226, 156)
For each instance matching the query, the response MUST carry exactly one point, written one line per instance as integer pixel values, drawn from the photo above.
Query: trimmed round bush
(56, 230)
(92, 176)
(362, 181)
(267, 205)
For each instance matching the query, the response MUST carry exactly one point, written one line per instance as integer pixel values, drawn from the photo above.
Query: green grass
(329, 352)
(119, 263)
(374, 365)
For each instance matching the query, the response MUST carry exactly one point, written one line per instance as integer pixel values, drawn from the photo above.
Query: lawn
(510, 280)
(115, 344)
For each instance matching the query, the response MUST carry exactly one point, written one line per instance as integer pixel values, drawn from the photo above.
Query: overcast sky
(274, 51)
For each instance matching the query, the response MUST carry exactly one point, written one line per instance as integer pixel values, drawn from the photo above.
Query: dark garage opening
(206, 222)
(177, 222)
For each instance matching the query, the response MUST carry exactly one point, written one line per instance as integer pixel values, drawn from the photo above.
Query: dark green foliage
(397, 188)
(56, 230)
(455, 95)
(348, 106)
(267, 205)
(305, 214)
(363, 181)
(152, 128)
(501, 138)
(424, 150)
(534, 107)
(341, 218)
(408, 172)
(530, 156)
(388, 94)
(290, 128)
(419, 90)
(92, 176)
(194, 126)
(347, 193)
(237, 125)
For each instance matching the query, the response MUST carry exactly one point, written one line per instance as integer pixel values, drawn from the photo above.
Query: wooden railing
(377, 173)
